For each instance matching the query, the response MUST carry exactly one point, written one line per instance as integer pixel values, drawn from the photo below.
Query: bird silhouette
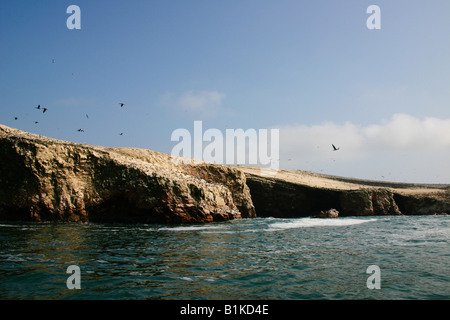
(122, 104)
(15, 118)
(53, 60)
(38, 107)
(45, 109)
(36, 122)
(334, 148)
(121, 134)
(87, 116)
(80, 130)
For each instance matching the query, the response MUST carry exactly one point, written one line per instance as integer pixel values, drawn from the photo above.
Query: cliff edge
(296, 193)
(44, 179)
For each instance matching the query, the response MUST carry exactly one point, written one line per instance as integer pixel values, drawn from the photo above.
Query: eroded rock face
(43, 179)
(281, 198)
(369, 202)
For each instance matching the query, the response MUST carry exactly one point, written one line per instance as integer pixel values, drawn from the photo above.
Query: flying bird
(53, 60)
(80, 130)
(36, 122)
(87, 116)
(45, 109)
(122, 104)
(334, 148)
(15, 118)
(121, 134)
(38, 107)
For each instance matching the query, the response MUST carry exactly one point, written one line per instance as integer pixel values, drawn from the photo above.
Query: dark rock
(280, 196)
(332, 213)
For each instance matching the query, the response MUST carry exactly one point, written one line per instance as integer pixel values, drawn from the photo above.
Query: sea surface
(262, 258)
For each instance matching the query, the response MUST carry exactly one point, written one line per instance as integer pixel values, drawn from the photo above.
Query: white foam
(210, 279)
(101, 261)
(190, 228)
(187, 279)
(314, 222)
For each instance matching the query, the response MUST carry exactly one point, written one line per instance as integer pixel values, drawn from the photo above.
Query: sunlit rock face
(43, 179)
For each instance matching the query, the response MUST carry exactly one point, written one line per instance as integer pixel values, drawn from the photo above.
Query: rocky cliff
(43, 179)
(301, 194)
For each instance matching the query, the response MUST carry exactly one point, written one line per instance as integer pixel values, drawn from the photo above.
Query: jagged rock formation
(43, 179)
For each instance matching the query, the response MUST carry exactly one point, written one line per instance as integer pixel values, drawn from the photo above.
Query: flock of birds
(44, 110)
(87, 116)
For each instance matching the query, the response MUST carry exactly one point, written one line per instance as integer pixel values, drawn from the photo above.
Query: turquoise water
(263, 258)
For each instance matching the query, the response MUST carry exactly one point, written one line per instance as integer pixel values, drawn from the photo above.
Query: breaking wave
(314, 222)
(267, 224)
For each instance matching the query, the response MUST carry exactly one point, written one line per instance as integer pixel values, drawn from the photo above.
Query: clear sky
(310, 68)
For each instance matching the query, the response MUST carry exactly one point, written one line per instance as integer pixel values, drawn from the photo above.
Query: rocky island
(44, 179)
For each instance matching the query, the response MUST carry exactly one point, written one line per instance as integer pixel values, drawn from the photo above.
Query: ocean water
(262, 258)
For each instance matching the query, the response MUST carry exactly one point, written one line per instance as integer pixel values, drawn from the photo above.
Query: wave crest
(314, 222)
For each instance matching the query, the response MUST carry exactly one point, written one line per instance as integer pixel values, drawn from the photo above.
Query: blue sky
(310, 68)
